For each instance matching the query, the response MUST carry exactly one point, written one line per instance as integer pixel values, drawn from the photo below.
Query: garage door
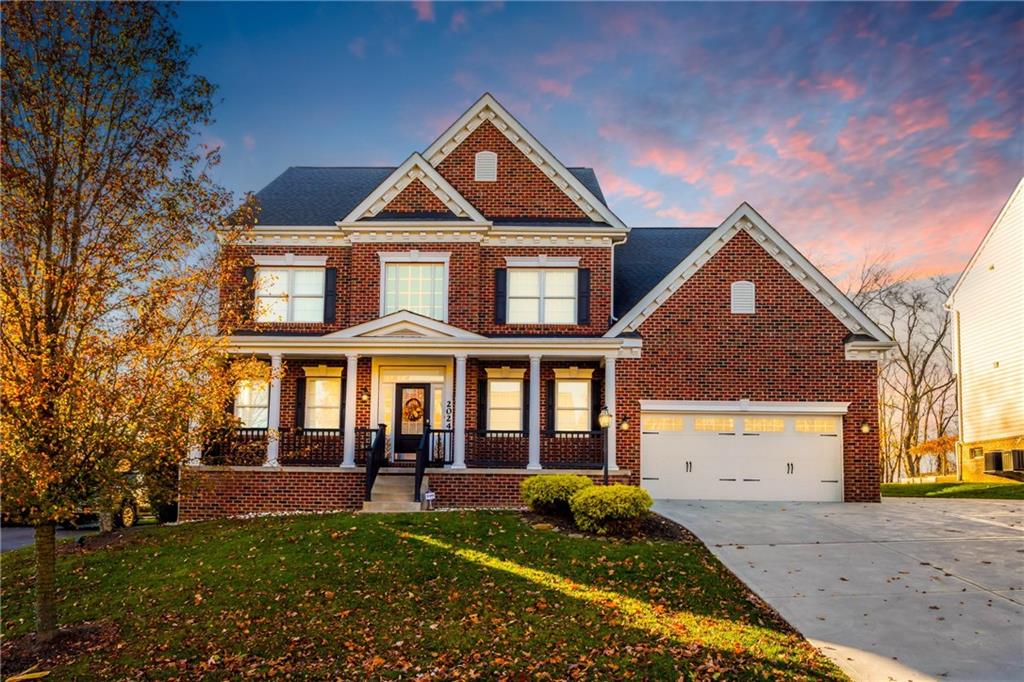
(734, 456)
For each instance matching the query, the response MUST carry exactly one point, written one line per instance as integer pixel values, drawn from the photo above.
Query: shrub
(614, 509)
(549, 494)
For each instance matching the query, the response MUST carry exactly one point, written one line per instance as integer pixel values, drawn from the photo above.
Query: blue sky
(854, 128)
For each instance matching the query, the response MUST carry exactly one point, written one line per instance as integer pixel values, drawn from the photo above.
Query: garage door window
(718, 424)
(764, 425)
(661, 422)
(816, 425)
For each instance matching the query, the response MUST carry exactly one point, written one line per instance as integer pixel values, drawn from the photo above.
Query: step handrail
(422, 457)
(375, 460)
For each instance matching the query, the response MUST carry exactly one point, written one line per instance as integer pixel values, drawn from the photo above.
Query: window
(252, 403)
(504, 405)
(661, 422)
(976, 453)
(816, 425)
(323, 402)
(417, 287)
(541, 296)
(572, 405)
(486, 167)
(289, 294)
(715, 424)
(764, 425)
(742, 298)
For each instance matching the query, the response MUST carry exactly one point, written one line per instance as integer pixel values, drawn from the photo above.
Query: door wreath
(412, 411)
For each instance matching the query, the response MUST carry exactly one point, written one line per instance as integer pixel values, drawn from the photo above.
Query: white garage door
(724, 456)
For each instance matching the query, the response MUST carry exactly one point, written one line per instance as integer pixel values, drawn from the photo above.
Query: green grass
(384, 596)
(977, 491)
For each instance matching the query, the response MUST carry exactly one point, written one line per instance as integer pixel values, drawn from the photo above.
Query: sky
(857, 130)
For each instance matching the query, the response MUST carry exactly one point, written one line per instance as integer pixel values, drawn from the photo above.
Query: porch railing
(376, 458)
(497, 449)
(572, 449)
(436, 448)
(236, 447)
(364, 443)
(311, 447)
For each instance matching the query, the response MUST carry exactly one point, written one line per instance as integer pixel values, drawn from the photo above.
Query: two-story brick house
(485, 289)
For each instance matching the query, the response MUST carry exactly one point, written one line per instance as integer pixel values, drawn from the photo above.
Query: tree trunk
(46, 586)
(106, 522)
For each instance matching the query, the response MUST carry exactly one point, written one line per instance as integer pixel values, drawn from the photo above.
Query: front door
(412, 405)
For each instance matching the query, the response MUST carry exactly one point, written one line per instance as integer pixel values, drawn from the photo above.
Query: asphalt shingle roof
(648, 255)
(313, 195)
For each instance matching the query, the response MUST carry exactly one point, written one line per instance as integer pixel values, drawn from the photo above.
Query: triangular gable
(746, 219)
(488, 109)
(415, 169)
(404, 324)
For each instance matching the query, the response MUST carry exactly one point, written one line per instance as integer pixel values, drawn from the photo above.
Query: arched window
(743, 298)
(486, 167)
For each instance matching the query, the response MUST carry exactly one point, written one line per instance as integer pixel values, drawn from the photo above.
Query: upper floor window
(252, 403)
(290, 288)
(415, 281)
(742, 297)
(541, 296)
(486, 169)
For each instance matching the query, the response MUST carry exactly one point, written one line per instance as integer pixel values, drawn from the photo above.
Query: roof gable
(404, 324)
(746, 219)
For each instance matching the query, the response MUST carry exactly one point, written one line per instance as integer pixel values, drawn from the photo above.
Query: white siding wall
(989, 305)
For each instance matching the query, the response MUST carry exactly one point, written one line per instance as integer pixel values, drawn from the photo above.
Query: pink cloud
(937, 157)
(357, 46)
(847, 88)
(424, 10)
(919, 115)
(550, 86)
(944, 10)
(989, 130)
(796, 146)
(615, 185)
(459, 21)
(681, 216)
(669, 161)
(722, 185)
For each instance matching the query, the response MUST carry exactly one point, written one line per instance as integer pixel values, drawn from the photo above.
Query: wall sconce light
(865, 428)
(365, 396)
(624, 426)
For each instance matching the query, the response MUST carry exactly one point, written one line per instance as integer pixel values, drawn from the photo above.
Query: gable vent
(486, 167)
(743, 298)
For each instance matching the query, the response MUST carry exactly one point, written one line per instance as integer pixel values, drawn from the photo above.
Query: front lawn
(987, 491)
(467, 594)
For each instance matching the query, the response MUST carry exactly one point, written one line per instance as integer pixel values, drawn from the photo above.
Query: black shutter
(595, 404)
(300, 402)
(248, 301)
(524, 420)
(500, 295)
(481, 405)
(330, 293)
(583, 296)
(551, 406)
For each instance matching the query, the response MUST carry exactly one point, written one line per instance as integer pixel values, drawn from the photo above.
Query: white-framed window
(572, 405)
(742, 298)
(289, 294)
(415, 281)
(541, 296)
(486, 167)
(252, 403)
(323, 398)
(504, 404)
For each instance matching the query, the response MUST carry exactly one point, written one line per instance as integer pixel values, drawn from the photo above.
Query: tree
(110, 269)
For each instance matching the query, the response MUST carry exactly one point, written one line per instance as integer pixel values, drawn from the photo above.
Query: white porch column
(351, 374)
(459, 450)
(274, 411)
(609, 401)
(195, 450)
(534, 433)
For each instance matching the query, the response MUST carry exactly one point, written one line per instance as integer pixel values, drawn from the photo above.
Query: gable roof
(747, 219)
(488, 109)
(322, 195)
(406, 324)
(648, 254)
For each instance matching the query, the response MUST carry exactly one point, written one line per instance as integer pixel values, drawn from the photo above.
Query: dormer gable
(404, 324)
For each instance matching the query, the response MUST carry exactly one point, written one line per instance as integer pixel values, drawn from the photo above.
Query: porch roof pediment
(404, 324)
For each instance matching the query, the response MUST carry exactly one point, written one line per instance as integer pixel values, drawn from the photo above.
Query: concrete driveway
(909, 589)
(13, 537)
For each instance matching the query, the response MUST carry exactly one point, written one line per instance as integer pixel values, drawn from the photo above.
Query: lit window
(252, 403)
(417, 287)
(742, 298)
(289, 294)
(572, 405)
(323, 403)
(486, 169)
(541, 296)
(504, 405)
(764, 425)
(716, 424)
(661, 422)
(817, 425)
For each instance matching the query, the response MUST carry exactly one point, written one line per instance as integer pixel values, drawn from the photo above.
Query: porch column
(195, 450)
(609, 401)
(274, 411)
(351, 372)
(534, 435)
(459, 450)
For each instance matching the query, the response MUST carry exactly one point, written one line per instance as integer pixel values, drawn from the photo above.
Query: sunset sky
(853, 128)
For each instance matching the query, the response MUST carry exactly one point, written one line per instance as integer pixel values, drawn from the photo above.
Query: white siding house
(987, 305)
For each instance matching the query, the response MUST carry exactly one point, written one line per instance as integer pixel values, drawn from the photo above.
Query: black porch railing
(375, 459)
(236, 447)
(364, 443)
(497, 449)
(572, 449)
(436, 448)
(311, 447)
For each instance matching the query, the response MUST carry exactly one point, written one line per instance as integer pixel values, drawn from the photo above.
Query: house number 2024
(448, 411)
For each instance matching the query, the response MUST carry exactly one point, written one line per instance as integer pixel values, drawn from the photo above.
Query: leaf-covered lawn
(467, 594)
(989, 491)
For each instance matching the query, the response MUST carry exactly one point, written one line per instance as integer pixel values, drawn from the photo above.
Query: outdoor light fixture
(624, 426)
(365, 396)
(865, 428)
(604, 419)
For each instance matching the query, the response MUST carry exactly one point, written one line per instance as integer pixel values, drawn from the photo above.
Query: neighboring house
(987, 305)
(484, 286)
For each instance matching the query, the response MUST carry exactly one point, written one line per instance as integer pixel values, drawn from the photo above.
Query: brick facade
(417, 198)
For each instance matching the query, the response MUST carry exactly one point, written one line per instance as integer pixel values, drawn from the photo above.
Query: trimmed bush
(550, 494)
(613, 510)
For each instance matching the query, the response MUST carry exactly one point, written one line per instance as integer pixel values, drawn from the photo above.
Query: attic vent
(486, 167)
(743, 298)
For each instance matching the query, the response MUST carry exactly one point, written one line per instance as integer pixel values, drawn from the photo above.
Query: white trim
(505, 372)
(414, 168)
(745, 218)
(866, 350)
(402, 320)
(415, 256)
(323, 371)
(573, 372)
(542, 261)
(290, 260)
(487, 109)
(744, 407)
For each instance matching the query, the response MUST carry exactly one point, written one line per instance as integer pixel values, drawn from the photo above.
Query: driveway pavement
(909, 589)
(13, 537)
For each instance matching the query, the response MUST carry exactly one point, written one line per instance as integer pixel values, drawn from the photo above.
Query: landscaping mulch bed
(654, 527)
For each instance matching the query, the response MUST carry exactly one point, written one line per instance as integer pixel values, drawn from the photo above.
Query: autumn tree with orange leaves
(110, 262)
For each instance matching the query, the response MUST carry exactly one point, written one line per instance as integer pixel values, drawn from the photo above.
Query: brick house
(471, 317)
